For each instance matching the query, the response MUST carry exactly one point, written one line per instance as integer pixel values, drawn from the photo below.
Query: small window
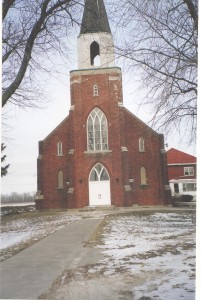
(188, 171)
(59, 149)
(141, 145)
(143, 176)
(60, 180)
(95, 90)
(189, 187)
(176, 188)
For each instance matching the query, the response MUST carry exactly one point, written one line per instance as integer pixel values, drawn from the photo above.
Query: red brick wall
(49, 164)
(151, 160)
(82, 97)
(124, 130)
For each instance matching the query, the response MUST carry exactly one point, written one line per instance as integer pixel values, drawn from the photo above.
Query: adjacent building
(182, 171)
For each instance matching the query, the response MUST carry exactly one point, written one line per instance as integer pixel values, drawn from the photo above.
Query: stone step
(184, 204)
(98, 207)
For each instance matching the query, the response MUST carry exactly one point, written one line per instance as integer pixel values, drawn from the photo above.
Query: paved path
(31, 272)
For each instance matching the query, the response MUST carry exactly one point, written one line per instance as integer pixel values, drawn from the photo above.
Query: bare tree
(159, 40)
(33, 30)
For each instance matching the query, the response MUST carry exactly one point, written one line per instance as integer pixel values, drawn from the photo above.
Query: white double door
(99, 186)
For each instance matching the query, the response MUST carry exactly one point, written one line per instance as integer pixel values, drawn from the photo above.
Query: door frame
(98, 185)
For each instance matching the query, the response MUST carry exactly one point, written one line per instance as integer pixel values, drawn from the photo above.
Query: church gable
(138, 123)
(58, 130)
(141, 137)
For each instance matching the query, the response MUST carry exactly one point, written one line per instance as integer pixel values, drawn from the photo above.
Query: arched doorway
(99, 186)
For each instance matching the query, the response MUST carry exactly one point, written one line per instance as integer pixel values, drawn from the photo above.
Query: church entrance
(99, 186)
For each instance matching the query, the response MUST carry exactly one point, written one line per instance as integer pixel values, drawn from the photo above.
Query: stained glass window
(97, 131)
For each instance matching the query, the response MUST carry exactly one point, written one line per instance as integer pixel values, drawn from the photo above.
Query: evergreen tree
(4, 169)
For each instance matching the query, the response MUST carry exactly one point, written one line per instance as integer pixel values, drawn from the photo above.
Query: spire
(94, 17)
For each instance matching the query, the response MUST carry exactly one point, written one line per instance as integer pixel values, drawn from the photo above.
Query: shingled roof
(94, 17)
(175, 156)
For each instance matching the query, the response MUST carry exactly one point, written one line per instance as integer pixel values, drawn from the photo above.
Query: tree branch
(37, 28)
(6, 5)
(193, 12)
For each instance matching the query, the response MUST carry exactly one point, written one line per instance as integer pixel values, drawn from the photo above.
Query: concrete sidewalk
(31, 272)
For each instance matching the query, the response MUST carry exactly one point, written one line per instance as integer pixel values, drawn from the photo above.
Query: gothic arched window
(95, 54)
(99, 173)
(60, 180)
(141, 145)
(97, 131)
(143, 176)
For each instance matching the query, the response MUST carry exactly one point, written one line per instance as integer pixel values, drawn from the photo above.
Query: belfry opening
(95, 54)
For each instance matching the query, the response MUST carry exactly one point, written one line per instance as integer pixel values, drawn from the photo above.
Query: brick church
(100, 154)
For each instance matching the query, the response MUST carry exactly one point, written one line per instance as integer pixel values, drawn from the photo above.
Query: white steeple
(95, 42)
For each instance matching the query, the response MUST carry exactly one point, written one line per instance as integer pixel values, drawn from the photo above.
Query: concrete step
(98, 207)
(184, 204)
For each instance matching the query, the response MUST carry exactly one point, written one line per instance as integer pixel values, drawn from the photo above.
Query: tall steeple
(94, 17)
(95, 42)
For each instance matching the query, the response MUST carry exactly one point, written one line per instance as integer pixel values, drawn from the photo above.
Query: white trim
(70, 191)
(182, 164)
(71, 151)
(127, 188)
(114, 78)
(183, 180)
(97, 151)
(95, 90)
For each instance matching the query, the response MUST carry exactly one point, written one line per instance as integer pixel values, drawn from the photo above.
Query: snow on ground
(17, 204)
(146, 255)
(158, 247)
(19, 231)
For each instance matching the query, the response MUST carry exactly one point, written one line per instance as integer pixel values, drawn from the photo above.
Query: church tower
(96, 98)
(101, 154)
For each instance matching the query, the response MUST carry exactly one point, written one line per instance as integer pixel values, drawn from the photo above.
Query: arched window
(59, 149)
(60, 180)
(143, 176)
(141, 145)
(95, 90)
(99, 173)
(97, 131)
(95, 54)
